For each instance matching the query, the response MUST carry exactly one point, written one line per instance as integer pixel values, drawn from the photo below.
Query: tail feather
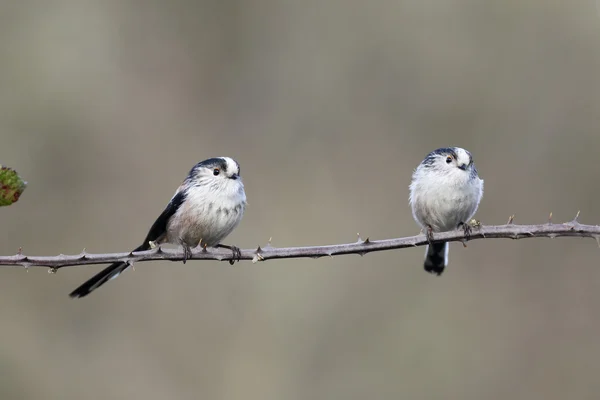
(436, 258)
(107, 274)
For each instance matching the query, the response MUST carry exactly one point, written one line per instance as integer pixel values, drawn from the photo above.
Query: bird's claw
(466, 229)
(429, 234)
(187, 253)
(237, 255)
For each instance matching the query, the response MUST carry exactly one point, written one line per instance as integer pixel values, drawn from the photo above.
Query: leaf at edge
(11, 186)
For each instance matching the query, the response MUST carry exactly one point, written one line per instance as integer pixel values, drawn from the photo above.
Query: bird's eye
(216, 171)
(449, 159)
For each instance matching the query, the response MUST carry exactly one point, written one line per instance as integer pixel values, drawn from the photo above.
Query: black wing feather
(115, 269)
(159, 227)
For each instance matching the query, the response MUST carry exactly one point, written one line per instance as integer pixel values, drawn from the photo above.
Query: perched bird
(444, 195)
(206, 208)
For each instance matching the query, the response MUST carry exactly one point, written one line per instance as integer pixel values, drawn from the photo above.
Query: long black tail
(436, 258)
(108, 273)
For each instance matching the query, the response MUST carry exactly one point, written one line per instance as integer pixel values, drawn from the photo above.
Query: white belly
(199, 221)
(443, 206)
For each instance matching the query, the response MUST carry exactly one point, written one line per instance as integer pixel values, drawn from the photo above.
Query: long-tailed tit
(444, 195)
(206, 208)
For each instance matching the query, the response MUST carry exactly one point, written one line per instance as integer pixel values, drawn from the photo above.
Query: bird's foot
(466, 227)
(187, 253)
(429, 233)
(237, 254)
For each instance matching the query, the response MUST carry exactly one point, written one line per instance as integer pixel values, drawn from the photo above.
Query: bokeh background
(328, 105)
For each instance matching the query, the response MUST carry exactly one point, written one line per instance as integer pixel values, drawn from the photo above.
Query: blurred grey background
(328, 105)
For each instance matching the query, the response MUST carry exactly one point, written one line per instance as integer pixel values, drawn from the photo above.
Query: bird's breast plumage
(442, 201)
(207, 216)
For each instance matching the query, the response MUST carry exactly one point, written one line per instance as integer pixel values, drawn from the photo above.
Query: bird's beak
(463, 167)
(234, 176)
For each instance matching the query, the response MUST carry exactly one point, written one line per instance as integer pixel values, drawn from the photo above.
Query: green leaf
(11, 186)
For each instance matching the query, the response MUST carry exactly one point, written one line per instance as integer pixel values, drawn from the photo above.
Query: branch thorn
(575, 220)
(367, 241)
(358, 237)
(156, 249)
(510, 219)
(550, 219)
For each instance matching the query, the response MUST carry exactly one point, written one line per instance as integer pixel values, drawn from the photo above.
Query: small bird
(444, 195)
(206, 208)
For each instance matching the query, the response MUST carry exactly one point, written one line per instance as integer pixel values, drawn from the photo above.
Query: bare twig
(361, 247)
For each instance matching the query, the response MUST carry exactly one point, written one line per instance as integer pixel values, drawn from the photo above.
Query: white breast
(207, 216)
(442, 201)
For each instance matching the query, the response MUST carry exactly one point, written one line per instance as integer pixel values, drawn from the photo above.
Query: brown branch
(361, 247)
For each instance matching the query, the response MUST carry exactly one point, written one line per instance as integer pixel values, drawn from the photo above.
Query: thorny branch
(360, 247)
